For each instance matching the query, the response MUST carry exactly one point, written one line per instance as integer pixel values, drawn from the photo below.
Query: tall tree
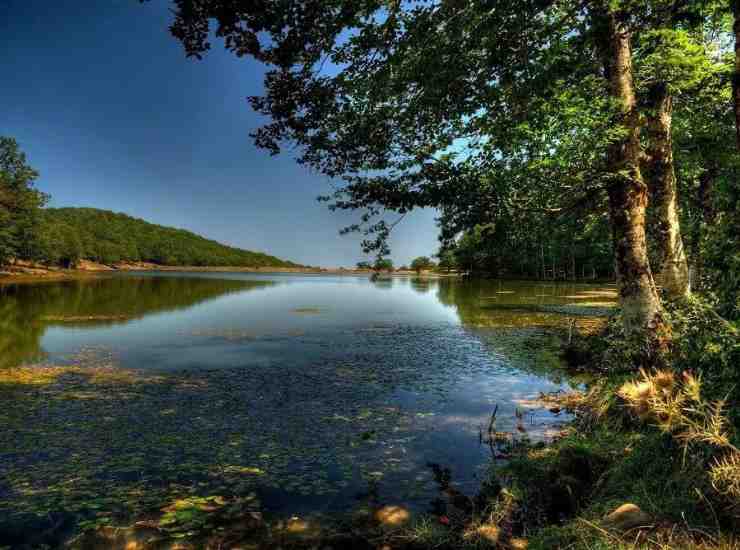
(671, 65)
(472, 107)
(674, 267)
(628, 193)
(20, 204)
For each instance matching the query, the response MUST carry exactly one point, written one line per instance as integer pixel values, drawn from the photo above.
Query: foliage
(677, 407)
(722, 253)
(422, 263)
(709, 346)
(383, 264)
(20, 204)
(564, 491)
(549, 251)
(447, 260)
(70, 234)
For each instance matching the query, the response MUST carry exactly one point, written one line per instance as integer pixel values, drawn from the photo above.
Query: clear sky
(112, 114)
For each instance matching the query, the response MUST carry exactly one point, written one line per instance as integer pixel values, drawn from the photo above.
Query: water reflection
(27, 310)
(300, 396)
(421, 284)
(518, 304)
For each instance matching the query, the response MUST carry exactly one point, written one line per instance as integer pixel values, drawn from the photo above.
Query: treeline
(20, 204)
(530, 251)
(70, 234)
(64, 236)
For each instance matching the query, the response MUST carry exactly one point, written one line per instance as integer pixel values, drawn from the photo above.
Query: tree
(421, 263)
(364, 265)
(446, 259)
(383, 264)
(513, 107)
(20, 204)
(670, 65)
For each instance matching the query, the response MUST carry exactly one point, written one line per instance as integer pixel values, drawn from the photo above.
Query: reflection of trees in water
(382, 282)
(518, 304)
(20, 335)
(422, 284)
(27, 309)
(510, 317)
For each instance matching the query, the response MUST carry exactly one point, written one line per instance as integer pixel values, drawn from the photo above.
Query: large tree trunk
(662, 179)
(628, 194)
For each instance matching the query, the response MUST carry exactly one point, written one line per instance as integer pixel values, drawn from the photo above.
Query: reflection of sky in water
(265, 319)
(310, 352)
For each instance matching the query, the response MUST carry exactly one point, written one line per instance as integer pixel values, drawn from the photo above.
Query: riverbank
(650, 460)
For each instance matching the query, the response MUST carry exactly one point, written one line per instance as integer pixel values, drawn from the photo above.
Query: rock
(628, 516)
(87, 265)
(392, 515)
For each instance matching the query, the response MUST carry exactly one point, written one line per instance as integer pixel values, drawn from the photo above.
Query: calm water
(306, 393)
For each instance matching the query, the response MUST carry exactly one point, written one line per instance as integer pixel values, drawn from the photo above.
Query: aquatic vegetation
(170, 454)
(307, 310)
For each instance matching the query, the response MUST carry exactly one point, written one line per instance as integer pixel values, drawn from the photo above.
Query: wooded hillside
(69, 234)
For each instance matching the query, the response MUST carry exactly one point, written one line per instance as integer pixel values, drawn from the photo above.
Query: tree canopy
(20, 203)
(422, 263)
(510, 117)
(107, 237)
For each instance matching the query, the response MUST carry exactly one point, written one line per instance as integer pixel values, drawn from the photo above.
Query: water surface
(298, 393)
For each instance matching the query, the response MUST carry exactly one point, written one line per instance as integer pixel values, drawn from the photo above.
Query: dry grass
(674, 404)
(588, 407)
(663, 537)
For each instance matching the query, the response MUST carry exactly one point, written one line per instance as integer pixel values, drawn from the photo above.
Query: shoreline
(28, 273)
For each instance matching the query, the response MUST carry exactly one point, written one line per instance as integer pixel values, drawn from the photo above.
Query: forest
(109, 238)
(63, 236)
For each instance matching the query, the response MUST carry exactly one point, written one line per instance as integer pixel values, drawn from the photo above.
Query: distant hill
(108, 237)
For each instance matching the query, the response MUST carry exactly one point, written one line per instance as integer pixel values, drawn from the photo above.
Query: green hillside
(69, 234)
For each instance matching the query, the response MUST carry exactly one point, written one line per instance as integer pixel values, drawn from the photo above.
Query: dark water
(301, 393)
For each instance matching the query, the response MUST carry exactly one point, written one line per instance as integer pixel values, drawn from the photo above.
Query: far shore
(27, 272)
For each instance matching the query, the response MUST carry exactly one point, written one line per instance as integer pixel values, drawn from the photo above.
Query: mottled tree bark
(628, 194)
(674, 267)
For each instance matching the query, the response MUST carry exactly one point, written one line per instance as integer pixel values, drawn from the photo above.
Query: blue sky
(112, 114)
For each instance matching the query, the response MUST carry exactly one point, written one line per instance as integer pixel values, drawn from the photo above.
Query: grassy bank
(650, 460)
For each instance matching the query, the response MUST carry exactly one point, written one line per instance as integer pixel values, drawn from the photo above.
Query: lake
(291, 395)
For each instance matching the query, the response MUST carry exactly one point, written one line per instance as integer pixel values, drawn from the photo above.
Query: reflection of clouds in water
(538, 424)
